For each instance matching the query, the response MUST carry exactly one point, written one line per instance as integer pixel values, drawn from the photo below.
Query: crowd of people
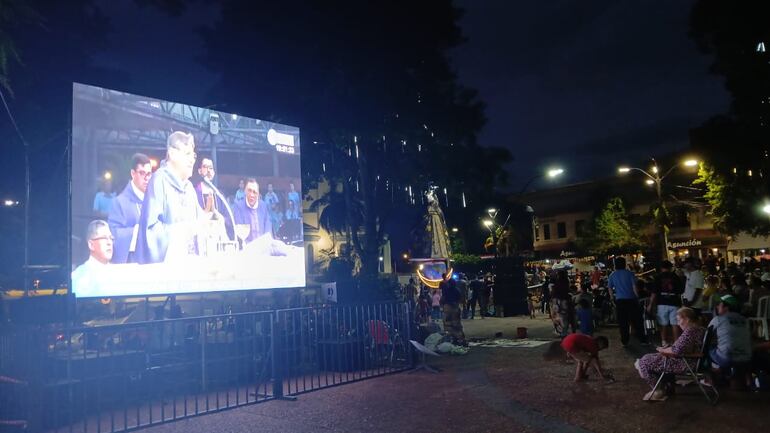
(475, 297)
(681, 306)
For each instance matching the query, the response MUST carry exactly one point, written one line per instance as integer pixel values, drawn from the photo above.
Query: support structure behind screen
(172, 198)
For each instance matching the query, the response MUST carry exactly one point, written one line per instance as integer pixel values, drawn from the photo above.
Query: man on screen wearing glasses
(126, 208)
(171, 217)
(87, 278)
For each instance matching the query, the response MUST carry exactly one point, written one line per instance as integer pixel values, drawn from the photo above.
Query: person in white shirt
(693, 288)
(86, 279)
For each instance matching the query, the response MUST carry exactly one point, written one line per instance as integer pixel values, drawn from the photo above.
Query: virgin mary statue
(435, 228)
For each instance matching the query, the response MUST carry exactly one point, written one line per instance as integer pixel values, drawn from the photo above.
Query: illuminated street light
(555, 172)
(10, 203)
(107, 175)
(455, 230)
(649, 182)
(491, 210)
(690, 163)
(405, 256)
(488, 223)
(654, 168)
(766, 209)
(624, 169)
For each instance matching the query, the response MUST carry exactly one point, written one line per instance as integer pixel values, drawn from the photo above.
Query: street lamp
(455, 230)
(654, 178)
(766, 209)
(488, 223)
(555, 172)
(550, 173)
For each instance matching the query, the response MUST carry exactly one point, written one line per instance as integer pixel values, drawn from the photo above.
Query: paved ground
(495, 390)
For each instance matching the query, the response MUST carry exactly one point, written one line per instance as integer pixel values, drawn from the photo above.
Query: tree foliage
(733, 202)
(611, 231)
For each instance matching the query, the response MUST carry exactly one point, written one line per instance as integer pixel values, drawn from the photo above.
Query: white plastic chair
(763, 314)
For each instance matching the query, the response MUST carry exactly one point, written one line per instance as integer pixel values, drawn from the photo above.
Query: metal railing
(129, 376)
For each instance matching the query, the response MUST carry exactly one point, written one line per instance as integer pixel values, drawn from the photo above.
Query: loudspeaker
(510, 286)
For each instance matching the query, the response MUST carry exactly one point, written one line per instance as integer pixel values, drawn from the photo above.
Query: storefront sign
(685, 244)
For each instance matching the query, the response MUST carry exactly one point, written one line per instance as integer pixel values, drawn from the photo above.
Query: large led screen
(172, 198)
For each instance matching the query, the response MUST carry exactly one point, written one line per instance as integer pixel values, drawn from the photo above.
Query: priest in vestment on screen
(171, 218)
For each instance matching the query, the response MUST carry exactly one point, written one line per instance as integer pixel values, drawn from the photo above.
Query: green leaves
(611, 231)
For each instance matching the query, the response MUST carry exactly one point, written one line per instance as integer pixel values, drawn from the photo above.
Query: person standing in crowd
(450, 301)
(622, 283)
(562, 302)
(596, 277)
(693, 288)
(126, 208)
(103, 199)
(436, 305)
(475, 288)
(462, 286)
(665, 301)
(486, 292)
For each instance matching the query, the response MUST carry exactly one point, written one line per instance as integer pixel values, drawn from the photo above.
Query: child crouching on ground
(585, 351)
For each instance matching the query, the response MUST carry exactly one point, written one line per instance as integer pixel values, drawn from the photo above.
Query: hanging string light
(446, 198)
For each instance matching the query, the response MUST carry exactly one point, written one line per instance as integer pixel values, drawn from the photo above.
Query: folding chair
(696, 363)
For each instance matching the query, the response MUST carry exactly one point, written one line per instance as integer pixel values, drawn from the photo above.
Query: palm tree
(340, 213)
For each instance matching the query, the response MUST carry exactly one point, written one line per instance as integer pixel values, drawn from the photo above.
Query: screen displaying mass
(172, 198)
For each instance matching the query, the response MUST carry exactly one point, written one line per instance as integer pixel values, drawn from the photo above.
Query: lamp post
(654, 178)
(550, 173)
(490, 225)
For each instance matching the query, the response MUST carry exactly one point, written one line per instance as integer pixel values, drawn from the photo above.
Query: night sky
(582, 85)
(586, 85)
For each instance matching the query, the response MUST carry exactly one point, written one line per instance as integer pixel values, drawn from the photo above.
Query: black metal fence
(128, 376)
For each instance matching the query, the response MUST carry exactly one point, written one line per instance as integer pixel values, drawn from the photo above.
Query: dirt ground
(496, 390)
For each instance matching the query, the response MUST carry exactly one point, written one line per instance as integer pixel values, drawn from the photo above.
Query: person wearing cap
(665, 300)
(732, 332)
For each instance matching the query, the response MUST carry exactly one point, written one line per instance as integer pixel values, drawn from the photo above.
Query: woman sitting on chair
(652, 365)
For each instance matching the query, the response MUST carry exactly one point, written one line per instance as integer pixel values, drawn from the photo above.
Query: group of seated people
(685, 305)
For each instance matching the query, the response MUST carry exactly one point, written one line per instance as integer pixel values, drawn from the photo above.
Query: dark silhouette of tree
(369, 83)
(736, 145)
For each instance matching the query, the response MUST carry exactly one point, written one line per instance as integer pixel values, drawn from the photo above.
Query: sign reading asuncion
(684, 244)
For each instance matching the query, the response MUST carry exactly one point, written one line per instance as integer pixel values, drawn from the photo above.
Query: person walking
(622, 285)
